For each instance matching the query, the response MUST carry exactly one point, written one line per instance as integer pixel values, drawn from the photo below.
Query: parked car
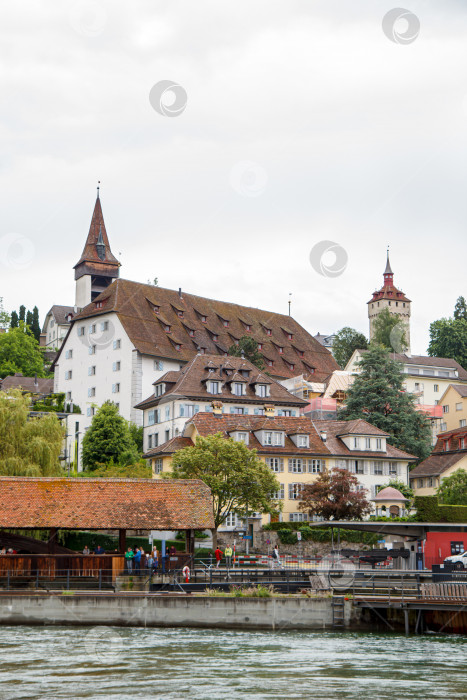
(459, 561)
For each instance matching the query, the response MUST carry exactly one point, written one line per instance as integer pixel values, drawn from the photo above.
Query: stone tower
(391, 298)
(97, 266)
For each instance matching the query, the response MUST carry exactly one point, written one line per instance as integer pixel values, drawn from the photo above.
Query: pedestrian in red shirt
(218, 555)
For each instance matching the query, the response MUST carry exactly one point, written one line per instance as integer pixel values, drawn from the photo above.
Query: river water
(132, 663)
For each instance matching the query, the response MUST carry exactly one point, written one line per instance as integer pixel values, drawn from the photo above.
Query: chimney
(180, 292)
(323, 435)
(36, 383)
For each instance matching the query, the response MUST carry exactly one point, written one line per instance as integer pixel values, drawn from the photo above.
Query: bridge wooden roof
(101, 504)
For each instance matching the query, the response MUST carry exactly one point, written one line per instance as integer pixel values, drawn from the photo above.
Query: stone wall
(261, 544)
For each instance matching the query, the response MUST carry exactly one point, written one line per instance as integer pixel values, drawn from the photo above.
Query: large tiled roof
(335, 428)
(436, 464)
(30, 384)
(136, 504)
(460, 388)
(144, 309)
(190, 382)
(169, 447)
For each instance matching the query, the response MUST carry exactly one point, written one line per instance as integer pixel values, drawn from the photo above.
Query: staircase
(338, 612)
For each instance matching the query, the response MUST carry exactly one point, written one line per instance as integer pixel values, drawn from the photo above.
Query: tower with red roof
(391, 298)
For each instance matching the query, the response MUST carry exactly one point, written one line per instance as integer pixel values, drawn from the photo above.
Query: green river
(131, 663)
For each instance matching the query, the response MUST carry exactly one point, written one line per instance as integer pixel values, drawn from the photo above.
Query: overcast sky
(304, 122)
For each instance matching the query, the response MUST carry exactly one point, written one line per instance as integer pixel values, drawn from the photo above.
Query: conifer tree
(248, 347)
(378, 396)
(35, 325)
(22, 313)
(14, 322)
(29, 319)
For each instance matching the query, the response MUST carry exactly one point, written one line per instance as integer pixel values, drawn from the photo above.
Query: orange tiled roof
(101, 504)
(141, 306)
(190, 382)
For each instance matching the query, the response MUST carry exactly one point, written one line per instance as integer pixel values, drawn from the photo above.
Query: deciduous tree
(28, 446)
(448, 338)
(460, 309)
(4, 316)
(248, 347)
(453, 489)
(108, 439)
(19, 352)
(233, 472)
(347, 340)
(389, 331)
(334, 496)
(378, 396)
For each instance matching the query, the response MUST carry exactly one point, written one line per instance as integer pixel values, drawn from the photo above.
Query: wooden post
(52, 540)
(190, 541)
(122, 541)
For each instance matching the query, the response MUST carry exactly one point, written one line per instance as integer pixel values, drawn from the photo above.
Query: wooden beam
(122, 541)
(52, 540)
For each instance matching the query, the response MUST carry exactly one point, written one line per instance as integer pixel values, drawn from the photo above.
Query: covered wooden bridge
(53, 504)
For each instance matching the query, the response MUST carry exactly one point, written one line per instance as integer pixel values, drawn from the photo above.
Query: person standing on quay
(137, 559)
(129, 560)
(276, 556)
(218, 555)
(228, 556)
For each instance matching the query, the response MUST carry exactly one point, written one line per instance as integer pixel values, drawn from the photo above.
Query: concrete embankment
(149, 610)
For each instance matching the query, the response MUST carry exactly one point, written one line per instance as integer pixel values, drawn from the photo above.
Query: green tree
(333, 496)
(35, 325)
(453, 489)
(448, 338)
(29, 319)
(346, 341)
(22, 313)
(136, 433)
(4, 316)
(248, 347)
(28, 446)
(460, 309)
(14, 322)
(233, 472)
(377, 395)
(19, 352)
(389, 330)
(108, 439)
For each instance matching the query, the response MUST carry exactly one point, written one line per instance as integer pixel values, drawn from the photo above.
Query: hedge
(429, 510)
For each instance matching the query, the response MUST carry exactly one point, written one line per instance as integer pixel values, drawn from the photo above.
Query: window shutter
(231, 409)
(281, 465)
(279, 412)
(196, 409)
(291, 491)
(386, 469)
(294, 413)
(366, 467)
(290, 464)
(245, 412)
(256, 412)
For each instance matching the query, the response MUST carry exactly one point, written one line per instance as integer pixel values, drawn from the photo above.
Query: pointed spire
(98, 188)
(388, 270)
(97, 247)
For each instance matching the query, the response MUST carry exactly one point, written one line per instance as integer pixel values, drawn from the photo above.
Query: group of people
(10, 550)
(97, 550)
(137, 559)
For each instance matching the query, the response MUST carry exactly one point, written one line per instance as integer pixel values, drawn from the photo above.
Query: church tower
(391, 298)
(97, 266)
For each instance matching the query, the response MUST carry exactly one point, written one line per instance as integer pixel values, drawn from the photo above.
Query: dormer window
(241, 436)
(166, 327)
(303, 441)
(204, 319)
(290, 336)
(268, 331)
(290, 366)
(214, 387)
(215, 337)
(178, 346)
(191, 332)
(273, 438)
(379, 444)
(98, 305)
(262, 390)
(156, 309)
(260, 346)
(280, 350)
(180, 314)
(270, 363)
(356, 443)
(202, 351)
(225, 323)
(159, 389)
(237, 389)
